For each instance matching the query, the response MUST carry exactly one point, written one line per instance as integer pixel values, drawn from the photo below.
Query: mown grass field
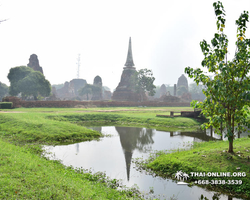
(26, 174)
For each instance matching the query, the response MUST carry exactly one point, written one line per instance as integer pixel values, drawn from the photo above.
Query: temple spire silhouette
(128, 159)
(129, 61)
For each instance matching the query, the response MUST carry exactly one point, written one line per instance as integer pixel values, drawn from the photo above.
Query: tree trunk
(35, 98)
(230, 150)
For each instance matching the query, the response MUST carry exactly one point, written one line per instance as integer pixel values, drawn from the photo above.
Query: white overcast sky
(165, 36)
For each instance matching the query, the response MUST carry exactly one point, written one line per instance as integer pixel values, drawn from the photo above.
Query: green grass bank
(26, 174)
(206, 157)
(55, 125)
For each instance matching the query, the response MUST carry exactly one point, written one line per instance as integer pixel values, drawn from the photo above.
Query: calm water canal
(113, 155)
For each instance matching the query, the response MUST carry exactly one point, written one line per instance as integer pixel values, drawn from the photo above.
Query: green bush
(6, 105)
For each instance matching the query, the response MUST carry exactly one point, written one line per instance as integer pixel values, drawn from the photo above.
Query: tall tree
(4, 89)
(15, 75)
(144, 82)
(181, 90)
(34, 84)
(89, 89)
(28, 82)
(196, 91)
(226, 97)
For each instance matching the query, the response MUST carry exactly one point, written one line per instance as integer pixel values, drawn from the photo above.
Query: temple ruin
(97, 95)
(34, 63)
(182, 81)
(182, 89)
(125, 90)
(163, 90)
(70, 90)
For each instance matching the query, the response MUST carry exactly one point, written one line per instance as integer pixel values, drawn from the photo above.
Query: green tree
(89, 89)
(28, 82)
(15, 75)
(226, 101)
(144, 82)
(196, 91)
(4, 89)
(34, 84)
(181, 90)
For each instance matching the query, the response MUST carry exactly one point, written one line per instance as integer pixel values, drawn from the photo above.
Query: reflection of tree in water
(96, 128)
(134, 138)
(145, 140)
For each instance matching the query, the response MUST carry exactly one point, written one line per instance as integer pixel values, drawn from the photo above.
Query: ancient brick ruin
(70, 90)
(182, 81)
(184, 97)
(98, 94)
(163, 90)
(34, 63)
(125, 90)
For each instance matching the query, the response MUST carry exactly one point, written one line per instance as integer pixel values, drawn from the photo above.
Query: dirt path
(121, 110)
(11, 111)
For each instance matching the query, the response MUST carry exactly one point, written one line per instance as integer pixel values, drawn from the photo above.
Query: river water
(113, 155)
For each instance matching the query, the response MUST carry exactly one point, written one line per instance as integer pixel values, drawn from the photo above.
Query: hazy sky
(165, 36)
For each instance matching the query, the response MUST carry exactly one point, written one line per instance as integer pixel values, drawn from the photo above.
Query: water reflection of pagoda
(134, 138)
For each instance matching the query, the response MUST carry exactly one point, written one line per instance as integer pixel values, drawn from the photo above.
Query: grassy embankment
(25, 174)
(207, 157)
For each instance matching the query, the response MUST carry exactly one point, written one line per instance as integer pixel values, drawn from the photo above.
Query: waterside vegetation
(203, 158)
(26, 175)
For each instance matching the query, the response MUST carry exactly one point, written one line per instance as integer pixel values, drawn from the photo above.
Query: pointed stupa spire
(129, 62)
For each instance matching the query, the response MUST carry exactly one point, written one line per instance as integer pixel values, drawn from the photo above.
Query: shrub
(6, 105)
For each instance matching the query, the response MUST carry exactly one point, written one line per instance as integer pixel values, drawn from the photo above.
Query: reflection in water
(198, 136)
(221, 135)
(134, 138)
(107, 155)
(97, 128)
(77, 148)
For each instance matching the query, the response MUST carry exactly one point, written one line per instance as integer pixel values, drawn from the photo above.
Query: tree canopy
(226, 104)
(89, 89)
(144, 82)
(196, 91)
(34, 84)
(181, 90)
(4, 89)
(15, 75)
(28, 82)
